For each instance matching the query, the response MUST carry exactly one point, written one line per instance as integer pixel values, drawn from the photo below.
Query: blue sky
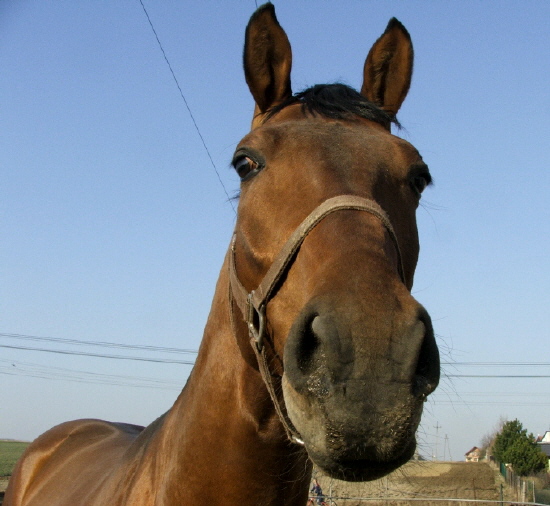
(113, 223)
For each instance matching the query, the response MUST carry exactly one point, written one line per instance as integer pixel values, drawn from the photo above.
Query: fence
(524, 490)
(413, 501)
(437, 484)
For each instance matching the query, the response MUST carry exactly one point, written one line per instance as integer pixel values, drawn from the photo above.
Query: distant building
(543, 443)
(473, 455)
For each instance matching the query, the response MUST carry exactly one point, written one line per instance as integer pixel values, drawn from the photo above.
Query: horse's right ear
(267, 59)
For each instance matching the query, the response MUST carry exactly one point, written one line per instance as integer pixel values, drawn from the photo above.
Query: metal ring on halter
(256, 321)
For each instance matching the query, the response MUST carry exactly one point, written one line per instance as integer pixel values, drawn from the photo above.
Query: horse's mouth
(362, 469)
(356, 442)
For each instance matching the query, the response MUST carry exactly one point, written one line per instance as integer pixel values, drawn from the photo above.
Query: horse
(315, 351)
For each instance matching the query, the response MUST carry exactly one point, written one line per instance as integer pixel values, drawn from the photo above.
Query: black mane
(336, 101)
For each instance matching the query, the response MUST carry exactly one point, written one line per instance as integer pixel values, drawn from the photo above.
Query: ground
(10, 451)
(450, 480)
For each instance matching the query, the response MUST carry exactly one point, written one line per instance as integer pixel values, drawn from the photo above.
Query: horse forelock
(336, 101)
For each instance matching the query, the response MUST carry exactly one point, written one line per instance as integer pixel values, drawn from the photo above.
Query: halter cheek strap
(253, 304)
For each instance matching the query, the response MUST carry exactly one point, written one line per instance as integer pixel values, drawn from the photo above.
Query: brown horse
(314, 350)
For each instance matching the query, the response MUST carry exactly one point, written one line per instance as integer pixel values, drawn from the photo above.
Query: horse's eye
(246, 167)
(419, 183)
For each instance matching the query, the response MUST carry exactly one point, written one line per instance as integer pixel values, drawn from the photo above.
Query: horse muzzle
(356, 395)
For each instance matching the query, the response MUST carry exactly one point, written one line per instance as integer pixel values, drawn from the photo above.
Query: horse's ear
(388, 68)
(267, 59)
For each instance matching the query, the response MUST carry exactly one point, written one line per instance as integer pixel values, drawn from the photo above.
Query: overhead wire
(55, 373)
(49, 372)
(508, 376)
(174, 350)
(499, 364)
(98, 355)
(14, 367)
(105, 344)
(187, 105)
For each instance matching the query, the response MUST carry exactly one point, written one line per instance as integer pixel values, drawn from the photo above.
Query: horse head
(324, 254)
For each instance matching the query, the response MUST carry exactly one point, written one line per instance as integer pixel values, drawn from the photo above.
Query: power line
(162, 349)
(189, 362)
(98, 355)
(104, 344)
(61, 374)
(500, 394)
(508, 376)
(16, 368)
(491, 403)
(187, 105)
(498, 364)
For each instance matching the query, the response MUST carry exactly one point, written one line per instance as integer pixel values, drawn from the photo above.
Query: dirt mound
(449, 480)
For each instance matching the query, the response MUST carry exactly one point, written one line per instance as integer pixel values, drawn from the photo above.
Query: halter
(253, 304)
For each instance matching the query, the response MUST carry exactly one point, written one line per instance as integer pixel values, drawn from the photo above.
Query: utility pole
(447, 446)
(436, 427)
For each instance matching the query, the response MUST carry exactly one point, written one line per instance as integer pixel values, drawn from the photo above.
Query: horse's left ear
(267, 59)
(388, 68)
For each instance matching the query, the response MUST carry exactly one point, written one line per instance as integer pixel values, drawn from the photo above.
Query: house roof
(474, 449)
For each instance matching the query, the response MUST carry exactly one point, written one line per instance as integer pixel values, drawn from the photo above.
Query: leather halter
(253, 304)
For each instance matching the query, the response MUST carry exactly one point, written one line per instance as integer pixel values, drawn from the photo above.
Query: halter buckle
(256, 321)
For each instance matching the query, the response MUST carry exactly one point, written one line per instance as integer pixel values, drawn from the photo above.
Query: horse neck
(224, 441)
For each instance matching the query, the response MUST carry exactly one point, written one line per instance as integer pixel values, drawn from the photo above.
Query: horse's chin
(353, 442)
(360, 469)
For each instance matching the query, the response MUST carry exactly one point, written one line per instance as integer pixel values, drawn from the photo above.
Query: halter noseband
(253, 304)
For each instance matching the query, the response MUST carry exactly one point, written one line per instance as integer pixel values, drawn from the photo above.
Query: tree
(514, 446)
(508, 435)
(526, 458)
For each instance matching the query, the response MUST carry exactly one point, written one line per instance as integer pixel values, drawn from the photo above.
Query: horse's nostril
(308, 344)
(427, 371)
